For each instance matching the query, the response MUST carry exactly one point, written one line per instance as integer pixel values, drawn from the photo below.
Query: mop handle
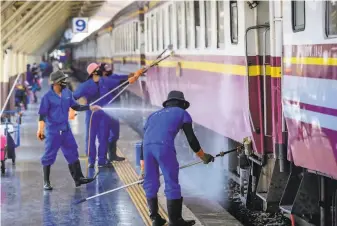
(221, 154)
(10, 94)
(127, 82)
(118, 94)
(124, 83)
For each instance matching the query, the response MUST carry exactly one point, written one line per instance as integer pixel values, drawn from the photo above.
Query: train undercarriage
(306, 197)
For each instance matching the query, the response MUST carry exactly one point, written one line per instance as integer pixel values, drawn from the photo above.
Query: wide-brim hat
(176, 95)
(57, 76)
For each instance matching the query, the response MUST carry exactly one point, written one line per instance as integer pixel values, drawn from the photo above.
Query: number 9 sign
(80, 25)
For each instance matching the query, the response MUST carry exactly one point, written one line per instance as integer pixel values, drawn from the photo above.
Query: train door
(258, 61)
(257, 52)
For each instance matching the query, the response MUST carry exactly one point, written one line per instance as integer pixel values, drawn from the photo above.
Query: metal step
(262, 195)
(286, 208)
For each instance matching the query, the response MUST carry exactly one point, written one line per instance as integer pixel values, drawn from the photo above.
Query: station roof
(34, 27)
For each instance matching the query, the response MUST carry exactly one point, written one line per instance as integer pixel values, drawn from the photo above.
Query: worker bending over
(113, 122)
(96, 123)
(54, 109)
(158, 150)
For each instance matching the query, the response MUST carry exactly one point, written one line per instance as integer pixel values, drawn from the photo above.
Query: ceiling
(34, 27)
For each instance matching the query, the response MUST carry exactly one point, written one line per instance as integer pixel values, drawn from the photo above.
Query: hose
(221, 154)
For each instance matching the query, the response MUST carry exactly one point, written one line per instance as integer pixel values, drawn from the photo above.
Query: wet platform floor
(24, 202)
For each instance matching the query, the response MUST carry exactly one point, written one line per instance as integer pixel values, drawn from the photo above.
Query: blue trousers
(99, 128)
(155, 156)
(56, 140)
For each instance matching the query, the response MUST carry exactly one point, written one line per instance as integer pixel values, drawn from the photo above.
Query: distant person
(55, 64)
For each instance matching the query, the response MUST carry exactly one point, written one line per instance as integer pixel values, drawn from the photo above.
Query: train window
(163, 27)
(298, 15)
(220, 24)
(158, 22)
(171, 26)
(180, 31)
(234, 21)
(148, 31)
(136, 36)
(188, 16)
(197, 23)
(331, 18)
(153, 30)
(208, 23)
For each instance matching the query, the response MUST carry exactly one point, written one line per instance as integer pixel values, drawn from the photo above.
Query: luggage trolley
(10, 136)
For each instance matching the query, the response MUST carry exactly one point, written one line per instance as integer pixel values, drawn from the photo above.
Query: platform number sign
(80, 25)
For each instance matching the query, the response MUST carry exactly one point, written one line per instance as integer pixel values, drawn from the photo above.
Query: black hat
(176, 95)
(57, 76)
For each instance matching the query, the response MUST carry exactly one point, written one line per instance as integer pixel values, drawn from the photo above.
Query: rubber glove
(95, 108)
(72, 114)
(142, 174)
(207, 158)
(40, 132)
(136, 75)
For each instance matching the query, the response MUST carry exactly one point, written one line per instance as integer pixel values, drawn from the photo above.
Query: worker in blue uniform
(113, 121)
(158, 150)
(53, 113)
(95, 87)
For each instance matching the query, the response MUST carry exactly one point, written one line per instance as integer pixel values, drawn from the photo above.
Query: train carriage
(262, 73)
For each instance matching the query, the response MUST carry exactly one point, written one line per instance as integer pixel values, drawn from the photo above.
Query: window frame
(235, 42)
(217, 25)
(327, 19)
(293, 16)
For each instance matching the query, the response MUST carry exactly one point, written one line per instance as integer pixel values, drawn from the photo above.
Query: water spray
(221, 154)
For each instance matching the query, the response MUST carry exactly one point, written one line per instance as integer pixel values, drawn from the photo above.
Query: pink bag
(3, 141)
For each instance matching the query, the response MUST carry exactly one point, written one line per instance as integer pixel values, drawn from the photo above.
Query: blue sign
(80, 24)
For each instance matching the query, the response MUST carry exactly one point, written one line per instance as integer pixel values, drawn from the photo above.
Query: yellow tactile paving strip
(128, 175)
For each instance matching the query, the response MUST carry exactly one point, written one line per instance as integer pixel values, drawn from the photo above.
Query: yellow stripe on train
(229, 69)
(310, 60)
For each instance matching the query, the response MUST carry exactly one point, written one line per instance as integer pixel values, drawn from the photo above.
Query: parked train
(260, 73)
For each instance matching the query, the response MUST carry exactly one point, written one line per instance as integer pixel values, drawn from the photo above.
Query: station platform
(24, 202)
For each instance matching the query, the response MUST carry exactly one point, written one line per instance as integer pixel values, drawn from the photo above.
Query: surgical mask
(63, 84)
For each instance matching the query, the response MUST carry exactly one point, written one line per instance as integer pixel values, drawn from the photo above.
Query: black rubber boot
(157, 220)
(46, 173)
(106, 165)
(76, 173)
(174, 208)
(112, 155)
(91, 166)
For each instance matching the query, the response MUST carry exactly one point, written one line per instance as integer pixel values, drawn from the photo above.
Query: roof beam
(28, 39)
(37, 44)
(6, 5)
(41, 16)
(23, 20)
(45, 32)
(13, 16)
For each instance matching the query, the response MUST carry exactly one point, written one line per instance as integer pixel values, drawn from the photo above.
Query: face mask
(63, 84)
